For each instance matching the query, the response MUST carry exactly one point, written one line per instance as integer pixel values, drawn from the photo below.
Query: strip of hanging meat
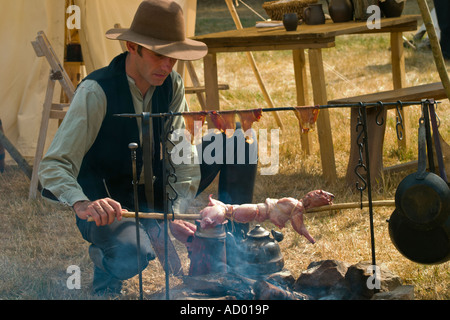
(224, 121)
(277, 211)
(194, 122)
(307, 117)
(248, 117)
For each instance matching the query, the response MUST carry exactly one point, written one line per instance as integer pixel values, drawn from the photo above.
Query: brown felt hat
(158, 25)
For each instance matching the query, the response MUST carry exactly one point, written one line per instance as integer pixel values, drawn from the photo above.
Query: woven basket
(276, 9)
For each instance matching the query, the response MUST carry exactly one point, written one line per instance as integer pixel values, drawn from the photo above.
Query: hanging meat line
(224, 120)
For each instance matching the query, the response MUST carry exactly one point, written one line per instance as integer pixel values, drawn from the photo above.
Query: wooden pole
(252, 61)
(2, 152)
(15, 154)
(435, 46)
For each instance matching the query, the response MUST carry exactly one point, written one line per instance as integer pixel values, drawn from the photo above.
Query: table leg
(399, 79)
(211, 85)
(211, 82)
(301, 86)
(323, 121)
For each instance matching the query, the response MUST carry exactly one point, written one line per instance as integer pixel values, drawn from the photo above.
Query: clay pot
(313, 14)
(340, 10)
(360, 8)
(392, 8)
(290, 21)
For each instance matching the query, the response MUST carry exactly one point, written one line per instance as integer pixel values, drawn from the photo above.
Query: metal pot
(258, 253)
(423, 198)
(420, 225)
(207, 250)
(422, 246)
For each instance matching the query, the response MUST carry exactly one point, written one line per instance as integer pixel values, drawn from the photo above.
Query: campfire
(225, 268)
(323, 280)
(230, 265)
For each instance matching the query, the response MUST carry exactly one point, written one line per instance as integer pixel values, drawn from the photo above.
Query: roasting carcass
(247, 118)
(317, 198)
(307, 117)
(194, 122)
(224, 121)
(278, 211)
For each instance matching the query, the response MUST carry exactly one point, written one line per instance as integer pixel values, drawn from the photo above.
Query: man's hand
(103, 211)
(182, 230)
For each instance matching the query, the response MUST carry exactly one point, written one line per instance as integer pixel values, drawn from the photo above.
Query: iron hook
(381, 106)
(399, 120)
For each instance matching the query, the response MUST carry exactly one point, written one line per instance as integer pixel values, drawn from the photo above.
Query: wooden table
(313, 38)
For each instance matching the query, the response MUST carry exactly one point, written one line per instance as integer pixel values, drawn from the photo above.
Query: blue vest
(108, 161)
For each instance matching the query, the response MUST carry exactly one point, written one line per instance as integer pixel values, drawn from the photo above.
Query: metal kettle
(257, 254)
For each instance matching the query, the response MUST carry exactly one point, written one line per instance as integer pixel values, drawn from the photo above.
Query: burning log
(221, 284)
(266, 291)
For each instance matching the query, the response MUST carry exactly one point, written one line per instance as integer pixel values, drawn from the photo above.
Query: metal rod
(166, 221)
(133, 146)
(369, 187)
(156, 216)
(328, 106)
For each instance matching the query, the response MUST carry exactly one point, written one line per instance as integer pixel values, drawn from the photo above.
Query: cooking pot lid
(258, 232)
(216, 232)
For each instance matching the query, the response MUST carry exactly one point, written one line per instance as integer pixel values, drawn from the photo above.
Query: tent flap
(23, 81)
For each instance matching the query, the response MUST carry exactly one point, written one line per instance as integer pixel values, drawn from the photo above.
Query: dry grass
(40, 241)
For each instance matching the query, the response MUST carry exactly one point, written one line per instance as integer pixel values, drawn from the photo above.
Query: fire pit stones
(323, 280)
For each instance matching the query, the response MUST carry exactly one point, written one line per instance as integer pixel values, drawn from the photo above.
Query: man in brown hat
(88, 165)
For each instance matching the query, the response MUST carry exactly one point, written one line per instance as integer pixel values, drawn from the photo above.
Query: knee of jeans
(123, 264)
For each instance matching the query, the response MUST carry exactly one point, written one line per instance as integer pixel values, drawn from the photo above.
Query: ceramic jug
(313, 14)
(392, 8)
(340, 10)
(290, 21)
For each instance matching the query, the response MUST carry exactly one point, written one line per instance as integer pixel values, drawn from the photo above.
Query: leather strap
(437, 143)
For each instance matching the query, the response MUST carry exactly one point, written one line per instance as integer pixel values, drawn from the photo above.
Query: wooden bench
(376, 133)
(201, 89)
(432, 90)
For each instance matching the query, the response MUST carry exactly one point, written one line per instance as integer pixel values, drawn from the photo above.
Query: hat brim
(186, 50)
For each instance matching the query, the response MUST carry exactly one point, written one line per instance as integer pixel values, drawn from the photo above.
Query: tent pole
(435, 46)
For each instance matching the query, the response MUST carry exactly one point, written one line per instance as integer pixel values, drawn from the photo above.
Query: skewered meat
(194, 122)
(214, 214)
(247, 118)
(278, 211)
(307, 117)
(317, 198)
(224, 121)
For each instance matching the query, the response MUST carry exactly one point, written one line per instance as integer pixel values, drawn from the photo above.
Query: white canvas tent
(24, 76)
